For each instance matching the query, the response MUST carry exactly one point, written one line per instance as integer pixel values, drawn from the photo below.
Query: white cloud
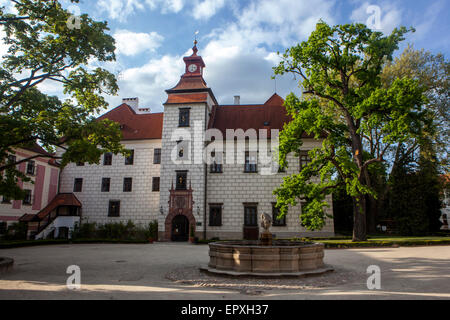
(167, 6)
(207, 8)
(149, 82)
(238, 57)
(130, 43)
(122, 9)
(428, 19)
(3, 46)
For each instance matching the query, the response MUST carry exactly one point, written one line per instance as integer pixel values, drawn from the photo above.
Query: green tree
(44, 48)
(432, 72)
(343, 99)
(414, 195)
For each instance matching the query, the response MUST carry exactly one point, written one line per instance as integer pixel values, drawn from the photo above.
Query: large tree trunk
(372, 214)
(359, 219)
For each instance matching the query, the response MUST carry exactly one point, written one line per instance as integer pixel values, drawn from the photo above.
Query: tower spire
(195, 43)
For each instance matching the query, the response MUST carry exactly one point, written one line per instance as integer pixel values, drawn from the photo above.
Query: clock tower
(183, 171)
(194, 64)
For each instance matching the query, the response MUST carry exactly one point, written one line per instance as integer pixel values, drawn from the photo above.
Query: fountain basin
(251, 258)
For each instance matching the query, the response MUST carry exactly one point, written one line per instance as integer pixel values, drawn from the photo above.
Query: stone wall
(234, 187)
(194, 166)
(141, 205)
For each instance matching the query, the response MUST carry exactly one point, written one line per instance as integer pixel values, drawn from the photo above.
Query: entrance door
(251, 230)
(180, 228)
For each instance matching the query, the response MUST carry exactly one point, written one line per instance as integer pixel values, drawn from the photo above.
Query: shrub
(153, 230)
(112, 231)
(17, 231)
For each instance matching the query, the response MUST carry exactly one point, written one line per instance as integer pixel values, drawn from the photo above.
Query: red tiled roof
(270, 115)
(62, 199)
(189, 83)
(29, 218)
(37, 149)
(187, 98)
(136, 126)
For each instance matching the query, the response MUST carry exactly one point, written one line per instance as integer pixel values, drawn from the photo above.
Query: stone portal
(180, 218)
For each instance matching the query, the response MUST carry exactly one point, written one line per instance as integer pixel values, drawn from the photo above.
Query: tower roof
(191, 83)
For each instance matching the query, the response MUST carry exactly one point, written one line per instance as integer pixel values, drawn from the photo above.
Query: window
(215, 215)
(304, 159)
(275, 221)
(157, 156)
(12, 159)
(30, 167)
(107, 159)
(215, 167)
(28, 199)
(78, 185)
(114, 208)
(182, 150)
(181, 180)
(250, 162)
(130, 159)
(184, 117)
(3, 227)
(250, 216)
(216, 164)
(106, 182)
(127, 184)
(155, 184)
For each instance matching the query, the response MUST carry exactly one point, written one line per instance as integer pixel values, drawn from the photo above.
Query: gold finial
(195, 37)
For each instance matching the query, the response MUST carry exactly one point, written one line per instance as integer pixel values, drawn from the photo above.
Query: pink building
(45, 175)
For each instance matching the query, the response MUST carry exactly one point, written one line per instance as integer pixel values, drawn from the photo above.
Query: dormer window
(184, 117)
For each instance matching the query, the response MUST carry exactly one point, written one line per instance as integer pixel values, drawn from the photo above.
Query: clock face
(192, 68)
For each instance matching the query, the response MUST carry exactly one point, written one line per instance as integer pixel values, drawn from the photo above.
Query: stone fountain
(266, 257)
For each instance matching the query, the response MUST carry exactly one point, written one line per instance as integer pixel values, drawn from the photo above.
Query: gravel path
(256, 286)
(170, 271)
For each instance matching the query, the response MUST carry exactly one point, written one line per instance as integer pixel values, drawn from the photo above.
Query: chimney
(132, 102)
(237, 100)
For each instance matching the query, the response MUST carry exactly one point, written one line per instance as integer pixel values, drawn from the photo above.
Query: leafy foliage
(43, 49)
(115, 231)
(414, 198)
(343, 101)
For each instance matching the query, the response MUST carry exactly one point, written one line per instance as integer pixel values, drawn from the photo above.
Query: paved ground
(111, 271)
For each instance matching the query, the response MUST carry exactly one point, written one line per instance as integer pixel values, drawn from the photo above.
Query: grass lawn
(383, 241)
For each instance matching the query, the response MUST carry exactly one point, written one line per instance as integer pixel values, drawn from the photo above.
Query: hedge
(374, 243)
(31, 243)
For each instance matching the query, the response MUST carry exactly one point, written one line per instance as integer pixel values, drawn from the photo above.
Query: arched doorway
(180, 228)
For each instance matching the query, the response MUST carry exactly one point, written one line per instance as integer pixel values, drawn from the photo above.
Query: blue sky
(237, 39)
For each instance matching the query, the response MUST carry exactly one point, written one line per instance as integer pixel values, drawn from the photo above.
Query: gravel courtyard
(170, 271)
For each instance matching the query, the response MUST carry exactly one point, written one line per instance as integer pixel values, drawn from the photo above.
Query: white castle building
(166, 178)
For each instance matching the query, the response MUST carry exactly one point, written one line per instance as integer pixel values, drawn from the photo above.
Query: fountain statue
(266, 236)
